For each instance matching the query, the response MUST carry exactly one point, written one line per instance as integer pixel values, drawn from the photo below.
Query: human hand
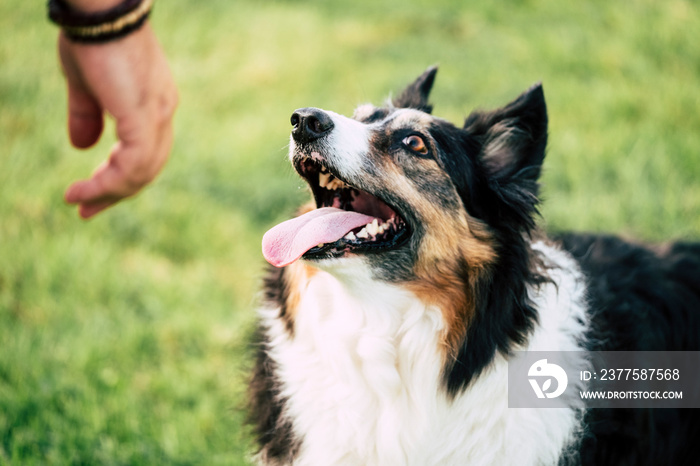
(130, 79)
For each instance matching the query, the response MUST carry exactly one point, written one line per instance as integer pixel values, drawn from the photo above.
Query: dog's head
(441, 209)
(405, 189)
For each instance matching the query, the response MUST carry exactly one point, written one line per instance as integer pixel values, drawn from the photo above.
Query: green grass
(123, 339)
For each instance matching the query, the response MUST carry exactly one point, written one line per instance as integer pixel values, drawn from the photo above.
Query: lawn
(123, 339)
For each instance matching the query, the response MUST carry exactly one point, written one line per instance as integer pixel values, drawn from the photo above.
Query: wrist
(99, 26)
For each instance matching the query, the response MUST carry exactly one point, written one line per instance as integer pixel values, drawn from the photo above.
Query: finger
(162, 150)
(111, 181)
(164, 110)
(108, 182)
(81, 191)
(88, 210)
(143, 148)
(123, 174)
(85, 118)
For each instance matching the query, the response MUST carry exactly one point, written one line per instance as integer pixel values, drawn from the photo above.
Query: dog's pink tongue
(288, 241)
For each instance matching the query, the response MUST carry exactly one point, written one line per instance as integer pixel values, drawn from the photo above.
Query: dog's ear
(512, 148)
(417, 93)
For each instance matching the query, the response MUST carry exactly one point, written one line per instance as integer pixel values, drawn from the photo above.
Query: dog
(397, 297)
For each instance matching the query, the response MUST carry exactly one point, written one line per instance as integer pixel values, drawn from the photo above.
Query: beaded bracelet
(103, 26)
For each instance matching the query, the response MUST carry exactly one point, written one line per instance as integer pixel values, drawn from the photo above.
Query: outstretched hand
(129, 79)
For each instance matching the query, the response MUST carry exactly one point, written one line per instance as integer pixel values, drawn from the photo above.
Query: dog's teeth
(320, 245)
(350, 236)
(323, 179)
(373, 227)
(337, 184)
(363, 234)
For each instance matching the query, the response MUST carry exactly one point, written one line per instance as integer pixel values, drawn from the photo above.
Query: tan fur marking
(448, 257)
(306, 208)
(455, 247)
(296, 279)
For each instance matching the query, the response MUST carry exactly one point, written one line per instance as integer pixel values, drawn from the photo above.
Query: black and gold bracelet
(102, 26)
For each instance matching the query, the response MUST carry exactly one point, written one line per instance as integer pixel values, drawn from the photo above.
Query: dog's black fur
(641, 299)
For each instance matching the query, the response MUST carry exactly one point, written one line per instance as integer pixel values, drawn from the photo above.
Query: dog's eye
(416, 144)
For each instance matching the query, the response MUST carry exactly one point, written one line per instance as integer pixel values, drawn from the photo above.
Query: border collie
(399, 294)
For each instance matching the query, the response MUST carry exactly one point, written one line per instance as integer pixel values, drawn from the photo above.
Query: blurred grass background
(122, 339)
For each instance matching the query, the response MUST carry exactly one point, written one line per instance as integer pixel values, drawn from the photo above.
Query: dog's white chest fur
(362, 378)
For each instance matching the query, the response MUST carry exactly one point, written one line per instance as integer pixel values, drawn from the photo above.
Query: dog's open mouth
(346, 219)
(385, 229)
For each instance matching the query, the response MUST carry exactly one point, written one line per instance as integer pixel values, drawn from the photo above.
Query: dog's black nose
(310, 124)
